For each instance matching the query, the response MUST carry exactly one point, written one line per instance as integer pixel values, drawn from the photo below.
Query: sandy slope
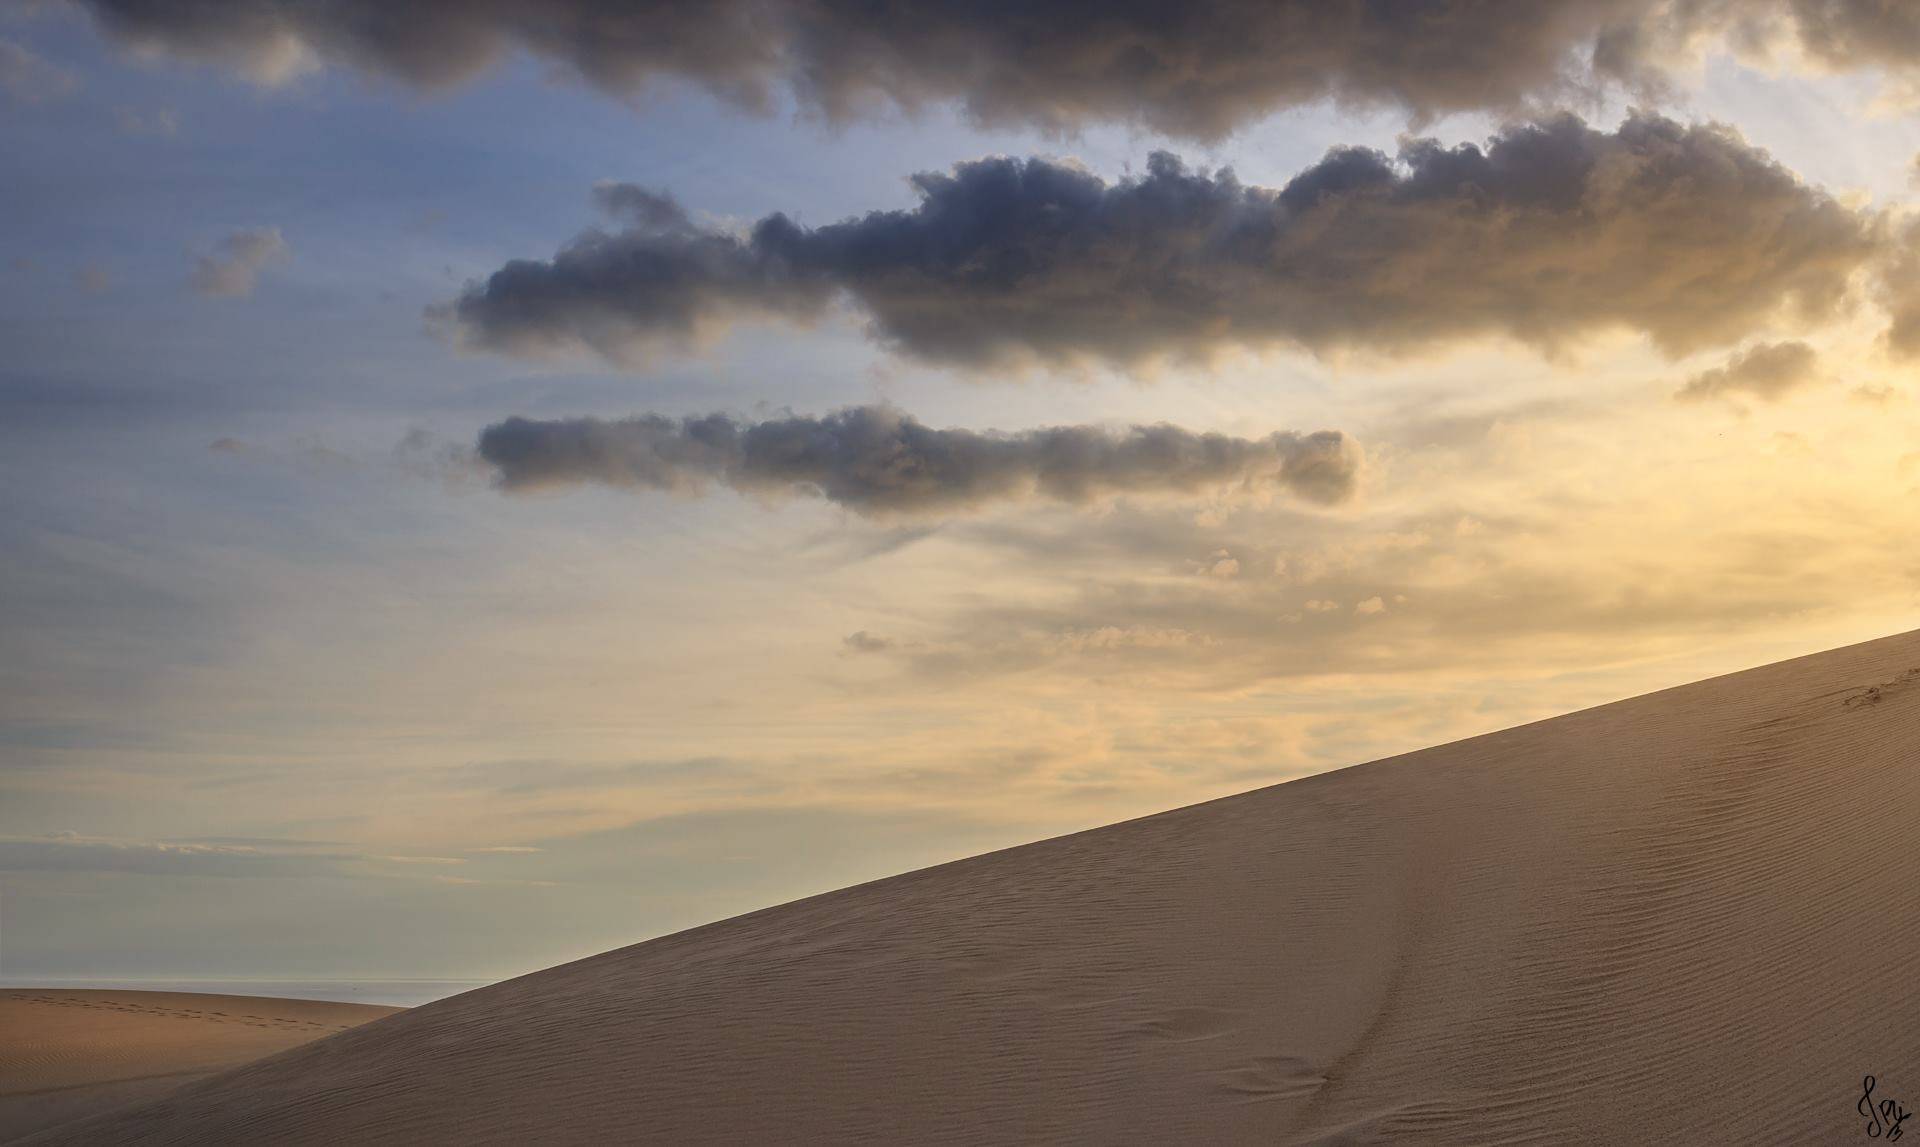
(66, 1053)
(1689, 917)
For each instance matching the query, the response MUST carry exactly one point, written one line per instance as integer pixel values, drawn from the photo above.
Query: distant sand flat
(66, 1053)
(1690, 917)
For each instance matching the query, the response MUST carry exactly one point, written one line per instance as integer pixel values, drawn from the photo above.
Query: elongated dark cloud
(1767, 372)
(1554, 230)
(877, 461)
(1197, 69)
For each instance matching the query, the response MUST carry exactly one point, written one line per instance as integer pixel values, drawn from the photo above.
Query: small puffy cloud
(93, 279)
(877, 461)
(1321, 605)
(1766, 372)
(1370, 605)
(860, 641)
(26, 78)
(1553, 231)
(1221, 564)
(147, 121)
(233, 269)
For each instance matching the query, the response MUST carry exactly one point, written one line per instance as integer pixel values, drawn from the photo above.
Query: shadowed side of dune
(1691, 915)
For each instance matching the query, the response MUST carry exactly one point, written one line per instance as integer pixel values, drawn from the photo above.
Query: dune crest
(1690, 916)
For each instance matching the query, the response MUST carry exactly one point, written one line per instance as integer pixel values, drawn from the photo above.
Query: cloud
(1378, 593)
(1555, 230)
(1198, 69)
(70, 852)
(29, 79)
(1841, 35)
(233, 270)
(861, 641)
(1221, 564)
(1766, 371)
(147, 121)
(1897, 284)
(876, 461)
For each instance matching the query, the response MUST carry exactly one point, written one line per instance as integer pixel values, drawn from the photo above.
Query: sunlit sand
(1692, 916)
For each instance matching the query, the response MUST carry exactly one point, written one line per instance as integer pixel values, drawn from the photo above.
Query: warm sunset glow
(484, 487)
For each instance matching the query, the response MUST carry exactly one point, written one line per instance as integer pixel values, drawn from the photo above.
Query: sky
(490, 483)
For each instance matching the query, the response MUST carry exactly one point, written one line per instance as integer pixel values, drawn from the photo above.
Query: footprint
(1874, 694)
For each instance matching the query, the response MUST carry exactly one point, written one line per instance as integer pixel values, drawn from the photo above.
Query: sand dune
(1689, 917)
(67, 1053)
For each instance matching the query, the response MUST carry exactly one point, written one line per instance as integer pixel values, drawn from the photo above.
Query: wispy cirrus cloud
(238, 857)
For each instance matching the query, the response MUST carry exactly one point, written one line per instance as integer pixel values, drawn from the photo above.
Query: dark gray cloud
(662, 281)
(1843, 35)
(877, 461)
(1898, 285)
(1195, 69)
(1554, 230)
(1767, 372)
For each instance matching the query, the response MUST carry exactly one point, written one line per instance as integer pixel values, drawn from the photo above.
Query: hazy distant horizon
(403, 993)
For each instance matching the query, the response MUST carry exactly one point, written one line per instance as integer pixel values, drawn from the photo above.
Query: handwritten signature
(1884, 1117)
